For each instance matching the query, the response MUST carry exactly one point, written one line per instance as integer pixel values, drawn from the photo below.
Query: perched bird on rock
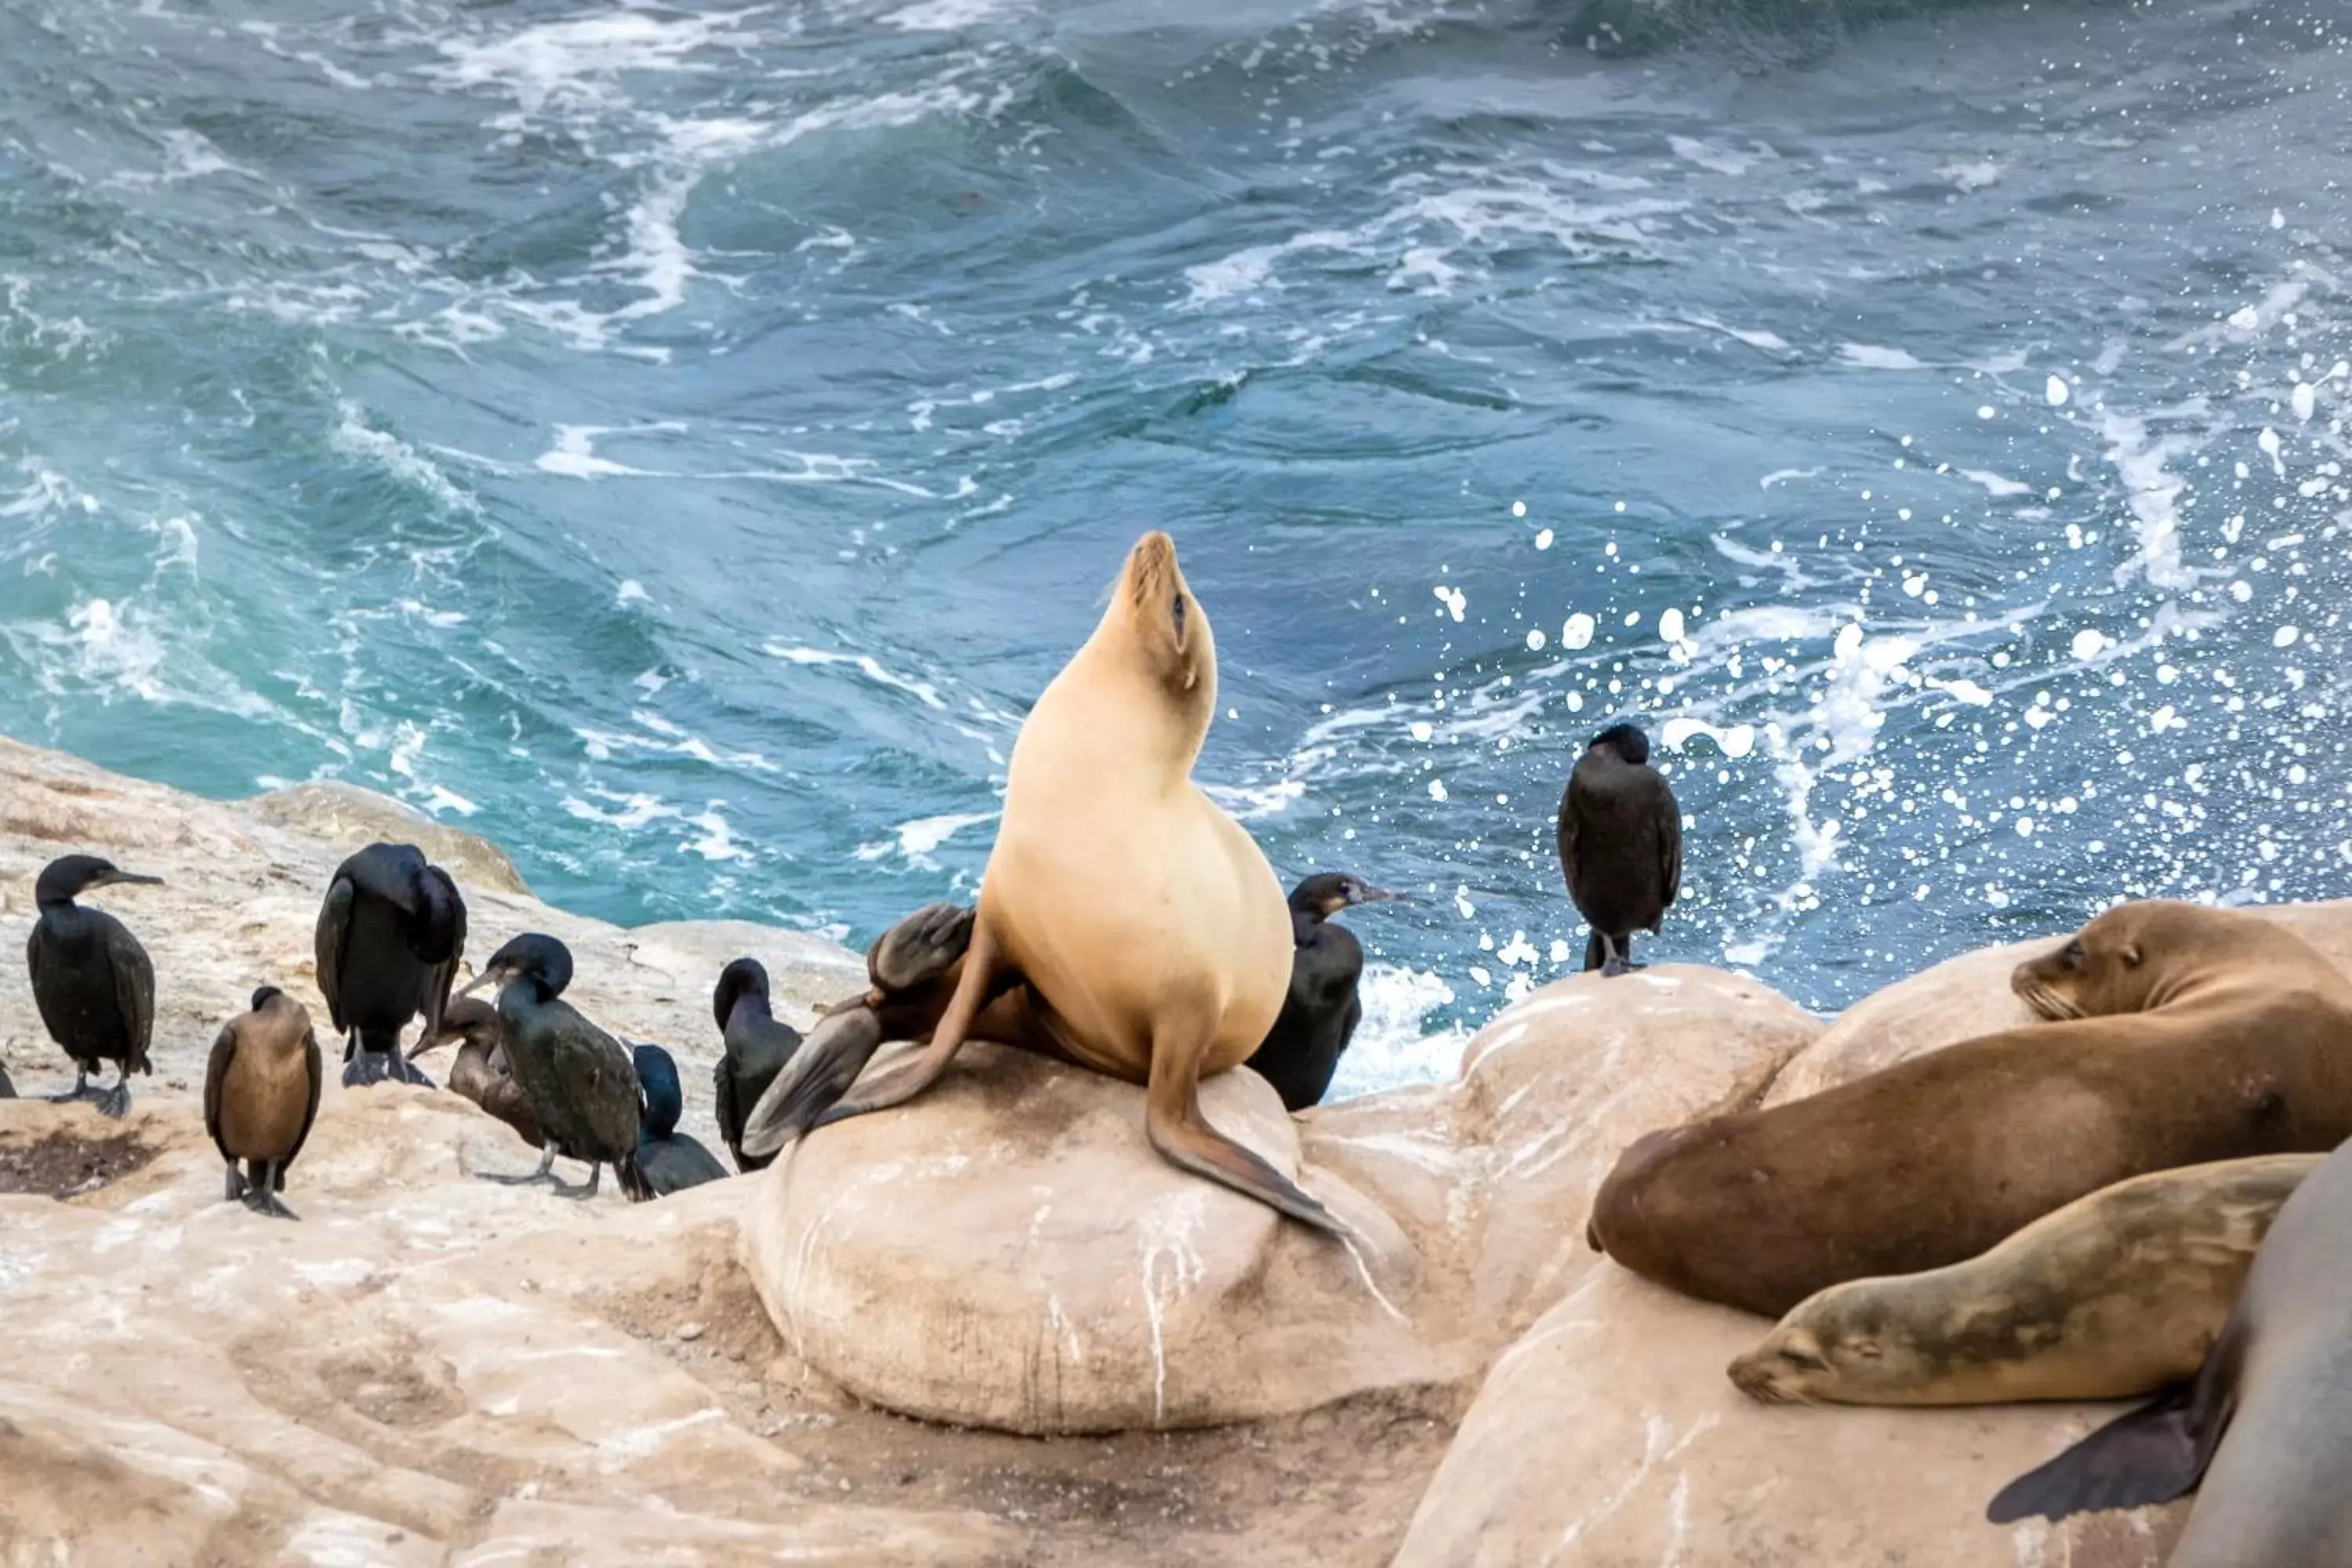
(581, 1082)
(93, 982)
(672, 1161)
(1621, 845)
(389, 935)
(480, 1073)
(1319, 1016)
(261, 1095)
(758, 1046)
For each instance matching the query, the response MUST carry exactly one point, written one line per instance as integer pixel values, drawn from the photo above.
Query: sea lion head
(1160, 627)
(2125, 961)
(1833, 1345)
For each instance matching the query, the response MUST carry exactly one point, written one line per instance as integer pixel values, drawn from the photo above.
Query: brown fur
(2115, 1295)
(2183, 1035)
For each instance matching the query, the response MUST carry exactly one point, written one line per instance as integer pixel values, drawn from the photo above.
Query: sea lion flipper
(974, 985)
(2152, 1455)
(1172, 1121)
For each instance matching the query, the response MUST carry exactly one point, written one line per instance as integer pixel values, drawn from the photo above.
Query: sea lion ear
(2129, 954)
(1867, 1350)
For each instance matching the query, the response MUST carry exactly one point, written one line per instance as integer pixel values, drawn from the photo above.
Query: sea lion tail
(2152, 1455)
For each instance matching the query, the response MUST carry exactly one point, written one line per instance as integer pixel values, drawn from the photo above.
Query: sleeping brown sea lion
(2179, 1035)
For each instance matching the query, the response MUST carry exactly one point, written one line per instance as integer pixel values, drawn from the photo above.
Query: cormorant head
(534, 958)
(1626, 740)
(465, 1019)
(664, 1099)
(67, 875)
(744, 977)
(261, 996)
(1328, 893)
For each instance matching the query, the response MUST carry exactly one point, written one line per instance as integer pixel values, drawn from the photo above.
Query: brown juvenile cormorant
(581, 1082)
(261, 1095)
(480, 1072)
(758, 1046)
(93, 983)
(390, 935)
(1319, 1016)
(1621, 845)
(671, 1160)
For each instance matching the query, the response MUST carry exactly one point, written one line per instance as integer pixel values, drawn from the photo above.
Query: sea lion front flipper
(2151, 1454)
(1172, 1121)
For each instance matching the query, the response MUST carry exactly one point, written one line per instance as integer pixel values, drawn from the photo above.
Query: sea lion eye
(1803, 1361)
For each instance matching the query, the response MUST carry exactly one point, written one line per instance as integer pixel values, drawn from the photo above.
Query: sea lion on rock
(1321, 1010)
(1125, 923)
(1621, 845)
(2115, 1295)
(92, 980)
(2180, 1035)
(261, 1095)
(390, 931)
(2263, 1436)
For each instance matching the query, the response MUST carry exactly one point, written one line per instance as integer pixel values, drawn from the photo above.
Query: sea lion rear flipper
(2152, 1455)
(1172, 1121)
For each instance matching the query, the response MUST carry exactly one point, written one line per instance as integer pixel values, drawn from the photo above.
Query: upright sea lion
(93, 982)
(2115, 1295)
(390, 934)
(261, 1095)
(1621, 845)
(581, 1082)
(758, 1046)
(1125, 923)
(1322, 1009)
(2183, 1034)
(2263, 1436)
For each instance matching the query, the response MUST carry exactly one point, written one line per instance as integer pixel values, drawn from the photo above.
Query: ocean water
(676, 442)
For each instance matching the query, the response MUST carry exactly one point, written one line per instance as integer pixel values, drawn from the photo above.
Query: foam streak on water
(680, 441)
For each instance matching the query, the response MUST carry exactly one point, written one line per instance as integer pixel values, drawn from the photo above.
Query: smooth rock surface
(1008, 1251)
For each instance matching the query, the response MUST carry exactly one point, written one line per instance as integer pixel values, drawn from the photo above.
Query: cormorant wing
(723, 1092)
(134, 993)
(440, 976)
(314, 1061)
(334, 930)
(1670, 845)
(215, 1075)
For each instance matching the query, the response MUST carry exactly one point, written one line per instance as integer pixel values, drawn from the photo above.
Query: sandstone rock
(1609, 1437)
(346, 813)
(1008, 1251)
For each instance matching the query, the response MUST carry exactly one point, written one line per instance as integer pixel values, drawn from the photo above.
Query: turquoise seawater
(678, 442)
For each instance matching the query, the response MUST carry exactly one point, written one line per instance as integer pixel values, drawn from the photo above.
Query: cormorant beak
(499, 972)
(108, 879)
(1367, 895)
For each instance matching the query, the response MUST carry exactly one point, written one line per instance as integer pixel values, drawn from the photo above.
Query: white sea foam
(354, 437)
(865, 664)
(1393, 1045)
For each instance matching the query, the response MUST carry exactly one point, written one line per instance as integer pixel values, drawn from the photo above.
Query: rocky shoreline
(990, 1327)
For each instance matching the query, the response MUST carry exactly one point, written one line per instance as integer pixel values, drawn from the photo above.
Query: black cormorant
(93, 983)
(1319, 1017)
(758, 1046)
(581, 1082)
(261, 1095)
(672, 1161)
(390, 935)
(1621, 845)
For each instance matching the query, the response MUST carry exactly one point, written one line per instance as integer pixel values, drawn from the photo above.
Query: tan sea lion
(261, 1095)
(2181, 1035)
(2115, 1295)
(2263, 1436)
(1124, 922)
